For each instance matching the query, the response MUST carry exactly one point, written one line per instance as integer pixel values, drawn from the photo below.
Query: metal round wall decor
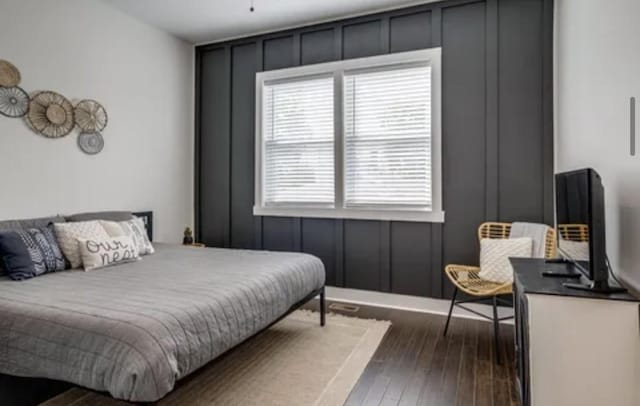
(51, 114)
(90, 116)
(90, 143)
(9, 74)
(14, 102)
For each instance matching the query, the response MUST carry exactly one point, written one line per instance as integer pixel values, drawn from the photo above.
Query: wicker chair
(467, 279)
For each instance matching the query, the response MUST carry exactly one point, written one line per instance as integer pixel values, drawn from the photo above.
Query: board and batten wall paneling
(411, 253)
(318, 238)
(243, 62)
(463, 136)
(318, 46)
(362, 254)
(214, 147)
(520, 119)
(410, 32)
(280, 233)
(361, 39)
(495, 133)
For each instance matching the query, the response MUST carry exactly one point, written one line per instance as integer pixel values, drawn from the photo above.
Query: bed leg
(322, 308)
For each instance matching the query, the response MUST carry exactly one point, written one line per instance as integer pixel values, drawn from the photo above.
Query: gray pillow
(101, 215)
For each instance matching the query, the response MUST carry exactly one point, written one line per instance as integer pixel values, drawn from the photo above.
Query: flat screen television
(580, 226)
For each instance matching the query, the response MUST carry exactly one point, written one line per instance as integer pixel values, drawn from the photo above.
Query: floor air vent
(344, 307)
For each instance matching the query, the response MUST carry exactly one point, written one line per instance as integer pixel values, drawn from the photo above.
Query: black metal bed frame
(147, 219)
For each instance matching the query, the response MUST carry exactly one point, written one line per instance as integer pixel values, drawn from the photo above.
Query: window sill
(353, 214)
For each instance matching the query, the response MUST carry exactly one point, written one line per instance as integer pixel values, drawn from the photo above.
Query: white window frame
(435, 213)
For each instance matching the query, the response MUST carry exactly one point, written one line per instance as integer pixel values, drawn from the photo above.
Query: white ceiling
(201, 21)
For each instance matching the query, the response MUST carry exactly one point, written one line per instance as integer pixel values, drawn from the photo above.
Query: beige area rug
(295, 362)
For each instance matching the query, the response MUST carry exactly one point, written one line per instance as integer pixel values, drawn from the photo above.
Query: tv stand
(596, 287)
(574, 347)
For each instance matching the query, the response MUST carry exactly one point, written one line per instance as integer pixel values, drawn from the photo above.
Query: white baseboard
(411, 303)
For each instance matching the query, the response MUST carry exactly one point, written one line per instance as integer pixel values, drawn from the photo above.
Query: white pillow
(133, 228)
(494, 257)
(100, 253)
(68, 234)
(113, 228)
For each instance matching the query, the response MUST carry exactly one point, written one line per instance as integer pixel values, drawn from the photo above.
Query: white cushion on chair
(494, 257)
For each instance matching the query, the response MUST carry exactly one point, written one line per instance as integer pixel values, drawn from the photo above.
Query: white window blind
(299, 142)
(356, 139)
(387, 132)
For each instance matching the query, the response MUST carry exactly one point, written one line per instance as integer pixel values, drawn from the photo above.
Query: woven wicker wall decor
(90, 116)
(9, 74)
(51, 114)
(14, 102)
(90, 143)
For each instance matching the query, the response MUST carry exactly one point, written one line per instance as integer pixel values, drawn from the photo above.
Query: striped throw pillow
(29, 253)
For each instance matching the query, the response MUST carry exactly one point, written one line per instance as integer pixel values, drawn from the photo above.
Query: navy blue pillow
(29, 253)
(15, 256)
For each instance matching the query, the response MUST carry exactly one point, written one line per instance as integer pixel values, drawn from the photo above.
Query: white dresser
(574, 347)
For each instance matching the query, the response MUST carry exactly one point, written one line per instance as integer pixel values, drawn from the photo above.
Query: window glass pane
(298, 142)
(387, 136)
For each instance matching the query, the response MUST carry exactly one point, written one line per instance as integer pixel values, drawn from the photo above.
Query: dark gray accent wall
(497, 138)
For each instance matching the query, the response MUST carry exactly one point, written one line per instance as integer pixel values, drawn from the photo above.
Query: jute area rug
(295, 362)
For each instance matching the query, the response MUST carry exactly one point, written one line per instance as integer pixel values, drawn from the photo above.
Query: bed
(133, 330)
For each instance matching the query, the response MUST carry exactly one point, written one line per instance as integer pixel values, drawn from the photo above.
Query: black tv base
(561, 274)
(566, 271)
(595, 286)
(557, 261)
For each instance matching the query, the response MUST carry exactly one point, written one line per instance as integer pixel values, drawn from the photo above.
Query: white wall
(597, 70)
(144, 78)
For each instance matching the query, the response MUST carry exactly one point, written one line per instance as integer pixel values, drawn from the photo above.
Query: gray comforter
(134, 329)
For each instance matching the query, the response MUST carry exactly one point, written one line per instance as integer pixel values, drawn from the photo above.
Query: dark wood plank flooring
(416, 365)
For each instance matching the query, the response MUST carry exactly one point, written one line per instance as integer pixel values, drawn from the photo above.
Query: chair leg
(453, 302)
(496, 329)
(323, 308)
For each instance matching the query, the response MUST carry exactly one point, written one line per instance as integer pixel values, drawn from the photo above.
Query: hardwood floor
(416, 365)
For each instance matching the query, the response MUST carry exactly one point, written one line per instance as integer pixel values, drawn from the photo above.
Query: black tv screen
(581, 228)
(580, 221)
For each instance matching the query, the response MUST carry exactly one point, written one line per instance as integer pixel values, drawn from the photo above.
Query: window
(351, 139)
(386, 132)
(298, 142)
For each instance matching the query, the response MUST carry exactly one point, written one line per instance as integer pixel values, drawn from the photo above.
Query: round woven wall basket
(90, 116)
(9, 74)
(91, 143)
(14, 102)
(51, 114)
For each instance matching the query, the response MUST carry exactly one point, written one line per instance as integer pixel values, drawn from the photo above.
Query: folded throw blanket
(537, 233)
